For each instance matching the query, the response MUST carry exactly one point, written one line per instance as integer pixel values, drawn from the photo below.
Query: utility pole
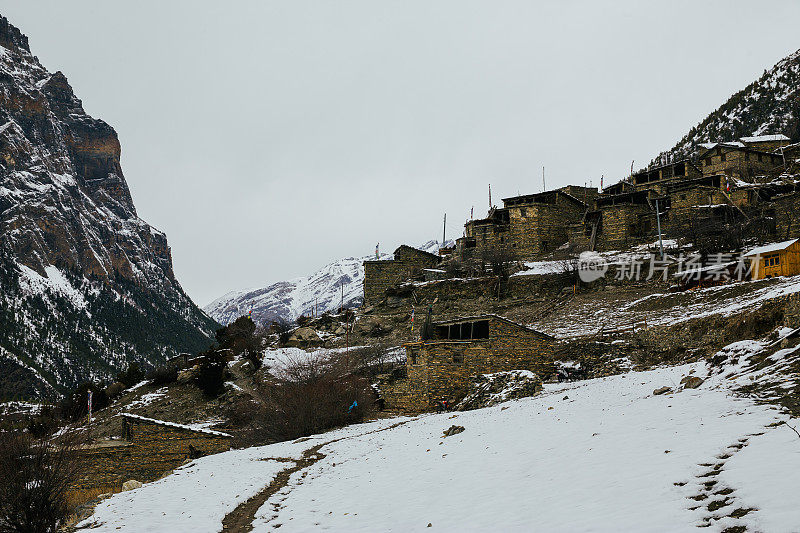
(444, 229)
(490, 197)
(544, 187)
(341, 307)
(658, 222)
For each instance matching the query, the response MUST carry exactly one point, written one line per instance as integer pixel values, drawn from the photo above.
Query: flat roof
(765, 138)
(174, 425)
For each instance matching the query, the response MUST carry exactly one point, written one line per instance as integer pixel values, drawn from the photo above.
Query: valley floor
(597, 455)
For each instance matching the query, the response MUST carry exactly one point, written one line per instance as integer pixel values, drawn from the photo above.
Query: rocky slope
(769, 105)
(286, 300)
(86, 284)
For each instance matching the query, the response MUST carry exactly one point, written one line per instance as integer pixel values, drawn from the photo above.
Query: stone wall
(787, 216)
(537, 228)
(625, 225)
(443, 369)
(381, 275)
(150, 450)
(742, 164)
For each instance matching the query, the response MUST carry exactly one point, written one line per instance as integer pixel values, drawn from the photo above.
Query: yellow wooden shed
(776, 259)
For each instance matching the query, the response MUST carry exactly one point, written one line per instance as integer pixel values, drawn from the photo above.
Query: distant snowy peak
(336, 284)
(769, 105)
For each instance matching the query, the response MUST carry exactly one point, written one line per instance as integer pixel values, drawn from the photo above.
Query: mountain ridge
(87, 285)
(768, 105)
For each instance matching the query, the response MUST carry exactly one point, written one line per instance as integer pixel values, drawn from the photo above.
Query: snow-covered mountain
(86, 286)
(769, 105)
(286, 300)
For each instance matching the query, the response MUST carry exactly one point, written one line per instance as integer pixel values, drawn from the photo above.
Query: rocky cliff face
(769, 105)
(71, 240)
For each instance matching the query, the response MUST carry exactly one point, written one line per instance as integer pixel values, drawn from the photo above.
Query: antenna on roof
(444, 229)
(490, 196)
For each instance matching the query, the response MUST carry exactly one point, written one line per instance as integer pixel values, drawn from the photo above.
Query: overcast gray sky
(269, 138)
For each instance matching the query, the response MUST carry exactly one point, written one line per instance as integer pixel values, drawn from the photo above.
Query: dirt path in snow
(240, 520)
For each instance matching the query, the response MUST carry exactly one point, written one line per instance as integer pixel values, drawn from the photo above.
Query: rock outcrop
(87, 286)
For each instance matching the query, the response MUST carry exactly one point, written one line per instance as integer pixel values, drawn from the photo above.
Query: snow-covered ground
(587, 315)
(597, 455)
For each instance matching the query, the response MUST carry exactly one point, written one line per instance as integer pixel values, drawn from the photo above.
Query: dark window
(412, 355)
(464, 331)
(747, 156)
(458, 358)
(723, 157)
(480, 330)
(759, 157)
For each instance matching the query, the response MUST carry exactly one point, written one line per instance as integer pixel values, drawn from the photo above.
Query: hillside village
(501, 315)
(579, 359)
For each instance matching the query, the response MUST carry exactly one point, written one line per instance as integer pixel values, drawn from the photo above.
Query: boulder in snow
(692, 382)
(131, 484)
(490, 389)
(302, 337)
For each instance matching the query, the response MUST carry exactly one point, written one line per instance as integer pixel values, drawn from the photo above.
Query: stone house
(527, 225)
(483, 234)
(408, 264)
(148, 449)
(538, 222)
(441, 367)
(739, 160)
(766, 143)
(656, 177)
(618, 221)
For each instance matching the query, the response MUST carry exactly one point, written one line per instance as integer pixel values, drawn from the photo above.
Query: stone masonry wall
(741, 164)
(444, 369)
(787, 216)
(152, 451)
(537, 228)
(380, 275)
(618, 220)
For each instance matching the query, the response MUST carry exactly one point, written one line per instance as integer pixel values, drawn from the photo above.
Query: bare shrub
(131, 375)
(567, 271)
(163, 375)
(211, 373)
(35, 476)
(310, 393)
